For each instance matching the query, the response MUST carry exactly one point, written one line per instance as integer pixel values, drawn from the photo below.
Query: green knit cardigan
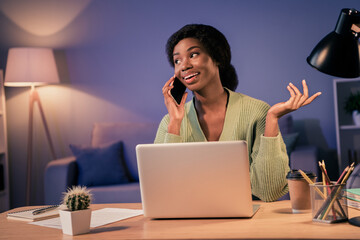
(244, 120)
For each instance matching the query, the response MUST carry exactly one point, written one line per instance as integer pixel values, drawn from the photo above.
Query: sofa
(63, 173)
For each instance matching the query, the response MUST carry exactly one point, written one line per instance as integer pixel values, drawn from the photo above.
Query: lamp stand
(355, 221)
(34, 98)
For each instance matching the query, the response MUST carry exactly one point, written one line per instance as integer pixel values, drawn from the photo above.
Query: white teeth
(190, 76)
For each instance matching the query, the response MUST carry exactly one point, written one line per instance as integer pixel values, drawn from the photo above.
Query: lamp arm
(356, 28)
(356, 21)
(349, 20)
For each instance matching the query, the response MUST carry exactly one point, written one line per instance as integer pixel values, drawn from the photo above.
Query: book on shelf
(29, 216)
(353, 194)
(353, 204)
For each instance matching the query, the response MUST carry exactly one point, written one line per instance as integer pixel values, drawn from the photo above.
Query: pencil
(343, 181)
(327, 199)
(342, 175)
(322, 173)
(311, 182)
(338, 191)
(323, 170)
(323, 176)
(328, 181)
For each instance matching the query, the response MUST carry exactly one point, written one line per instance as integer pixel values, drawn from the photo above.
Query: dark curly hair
(215, 45)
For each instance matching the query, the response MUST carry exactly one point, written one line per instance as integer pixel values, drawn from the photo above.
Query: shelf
(347, 133)
(349, 127)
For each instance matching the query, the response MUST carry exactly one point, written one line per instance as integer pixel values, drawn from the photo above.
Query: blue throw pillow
(100, 165)
(290, 141)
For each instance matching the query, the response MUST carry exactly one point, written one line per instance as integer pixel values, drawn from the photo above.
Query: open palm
(296, 100)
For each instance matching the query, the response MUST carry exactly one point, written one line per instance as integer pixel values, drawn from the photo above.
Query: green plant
(77, 198)
(353, 102)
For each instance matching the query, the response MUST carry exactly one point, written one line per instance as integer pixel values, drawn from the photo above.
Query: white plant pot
(75, 222)
(356, 117)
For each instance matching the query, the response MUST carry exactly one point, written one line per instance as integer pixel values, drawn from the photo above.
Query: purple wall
(112, 63)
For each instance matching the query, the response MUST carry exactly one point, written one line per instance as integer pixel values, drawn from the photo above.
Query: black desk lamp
(338, 54)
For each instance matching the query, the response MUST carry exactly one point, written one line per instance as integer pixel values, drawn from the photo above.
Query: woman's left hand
(296, 100)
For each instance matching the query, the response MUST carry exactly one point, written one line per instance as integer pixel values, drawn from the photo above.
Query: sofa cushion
(100, 165)
(131, 134)
(119, 193)
(290, 141)
(286, 124)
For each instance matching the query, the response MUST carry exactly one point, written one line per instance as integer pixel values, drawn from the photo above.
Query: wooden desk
(272, 221)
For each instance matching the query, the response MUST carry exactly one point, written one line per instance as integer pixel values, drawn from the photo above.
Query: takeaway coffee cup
(299, 191)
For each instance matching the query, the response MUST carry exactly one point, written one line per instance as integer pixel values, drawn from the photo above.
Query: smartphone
(178, 90)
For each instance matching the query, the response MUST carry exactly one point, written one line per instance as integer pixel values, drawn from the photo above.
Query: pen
(45, 209)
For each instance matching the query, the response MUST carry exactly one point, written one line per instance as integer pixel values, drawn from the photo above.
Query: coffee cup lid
(295, 174)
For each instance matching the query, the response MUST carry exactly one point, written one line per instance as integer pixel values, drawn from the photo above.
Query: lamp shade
(30, 66)
(338, 54)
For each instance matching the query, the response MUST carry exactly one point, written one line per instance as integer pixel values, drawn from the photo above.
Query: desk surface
(272, 221)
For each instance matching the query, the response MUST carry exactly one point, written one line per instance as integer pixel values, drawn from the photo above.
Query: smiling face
(193, 66)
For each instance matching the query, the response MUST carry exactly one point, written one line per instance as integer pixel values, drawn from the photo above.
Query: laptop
(195, 180)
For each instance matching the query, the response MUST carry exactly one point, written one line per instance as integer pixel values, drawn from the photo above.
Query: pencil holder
(328, 203)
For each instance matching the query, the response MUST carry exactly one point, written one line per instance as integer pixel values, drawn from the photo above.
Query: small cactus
(77, 198)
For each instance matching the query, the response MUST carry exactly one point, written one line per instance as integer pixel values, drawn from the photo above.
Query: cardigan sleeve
(162, 135)
(269, 165)
(269, 168)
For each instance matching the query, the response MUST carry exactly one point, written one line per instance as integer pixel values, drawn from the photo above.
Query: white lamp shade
(30, 66)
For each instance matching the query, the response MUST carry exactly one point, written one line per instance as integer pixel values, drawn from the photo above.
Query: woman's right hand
(176, 111)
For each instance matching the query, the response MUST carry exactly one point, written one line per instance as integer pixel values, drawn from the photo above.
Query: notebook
(353, 194)
(195, 180)
(28, 216)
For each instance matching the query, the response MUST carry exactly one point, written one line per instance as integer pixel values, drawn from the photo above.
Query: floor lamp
(32, 67)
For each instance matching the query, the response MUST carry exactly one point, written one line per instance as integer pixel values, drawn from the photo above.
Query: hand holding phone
(178, 90)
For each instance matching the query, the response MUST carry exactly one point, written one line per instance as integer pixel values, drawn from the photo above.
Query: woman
(201, 58)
